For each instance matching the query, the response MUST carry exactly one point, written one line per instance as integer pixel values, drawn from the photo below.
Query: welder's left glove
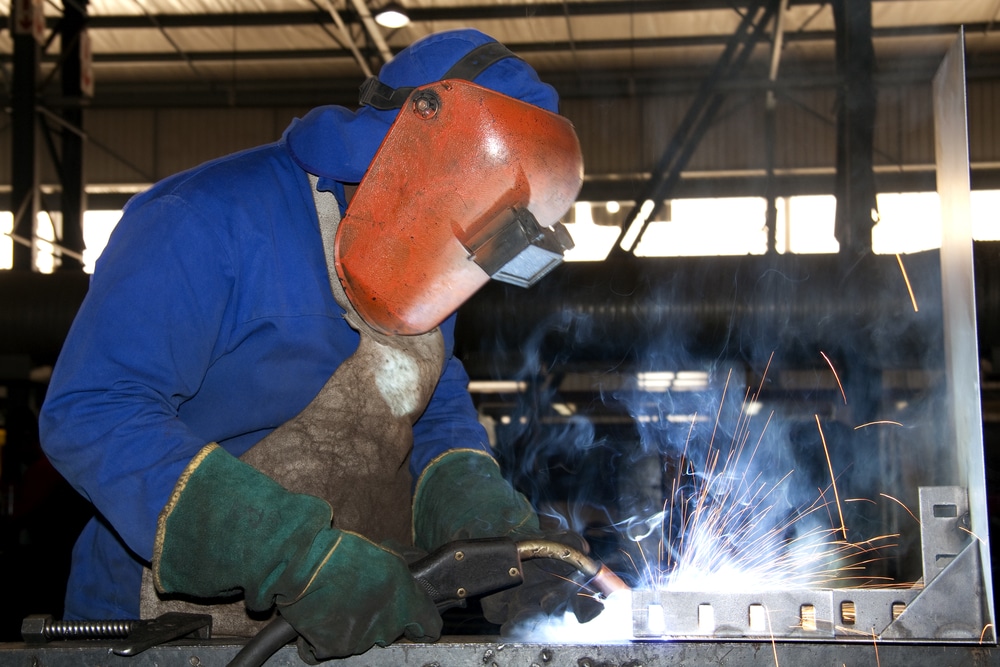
(463, 495)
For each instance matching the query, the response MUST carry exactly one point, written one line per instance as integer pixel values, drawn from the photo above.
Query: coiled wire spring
(43, 628)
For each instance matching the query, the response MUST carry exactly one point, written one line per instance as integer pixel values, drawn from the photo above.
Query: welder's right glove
(229, 527)
(463, 495)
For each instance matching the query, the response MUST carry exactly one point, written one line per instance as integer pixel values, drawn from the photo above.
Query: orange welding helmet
(468, 184)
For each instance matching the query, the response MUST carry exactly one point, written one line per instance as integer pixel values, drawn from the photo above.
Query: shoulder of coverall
(216, 178)
(336, 143)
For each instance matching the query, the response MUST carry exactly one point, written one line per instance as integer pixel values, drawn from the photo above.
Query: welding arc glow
(722, 528)
(614, 624)
(725, 525)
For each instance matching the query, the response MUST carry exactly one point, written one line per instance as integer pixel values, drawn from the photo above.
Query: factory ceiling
(269, 52)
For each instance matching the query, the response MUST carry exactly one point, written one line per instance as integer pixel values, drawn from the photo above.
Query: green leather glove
(229, 527)
(461, 495)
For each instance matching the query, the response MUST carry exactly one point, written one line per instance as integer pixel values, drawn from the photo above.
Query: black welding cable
(264, 644)
(279, 632)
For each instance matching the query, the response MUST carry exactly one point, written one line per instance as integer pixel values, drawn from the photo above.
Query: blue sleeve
(137, 350)
(450, 420)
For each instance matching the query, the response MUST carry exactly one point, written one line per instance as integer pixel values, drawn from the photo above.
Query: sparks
(729, 521)
(876, 423)
(774, 645)
(835, 376)
(721, 528)
(906, 279)
(976, 537)
(901, 504)
(833, 477)
(763, 376)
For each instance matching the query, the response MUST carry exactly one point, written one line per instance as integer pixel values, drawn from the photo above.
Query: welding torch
(454, 573)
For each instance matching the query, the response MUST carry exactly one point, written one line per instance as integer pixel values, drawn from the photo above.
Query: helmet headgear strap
(378, 95)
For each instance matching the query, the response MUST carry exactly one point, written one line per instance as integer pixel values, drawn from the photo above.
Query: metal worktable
(489, 653)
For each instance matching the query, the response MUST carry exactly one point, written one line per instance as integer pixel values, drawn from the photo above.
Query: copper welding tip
(607, 582)
(602, 578)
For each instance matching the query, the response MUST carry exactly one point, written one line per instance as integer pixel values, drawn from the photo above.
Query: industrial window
(906, 222)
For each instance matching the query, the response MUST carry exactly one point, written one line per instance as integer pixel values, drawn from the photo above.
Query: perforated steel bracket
(948, 605)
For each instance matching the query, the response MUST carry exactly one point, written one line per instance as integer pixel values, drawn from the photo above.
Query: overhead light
(496, 386)
(392, 16)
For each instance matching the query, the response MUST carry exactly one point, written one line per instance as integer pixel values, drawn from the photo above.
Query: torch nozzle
(600, 576)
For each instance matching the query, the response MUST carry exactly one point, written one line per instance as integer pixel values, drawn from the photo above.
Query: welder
(259, 394)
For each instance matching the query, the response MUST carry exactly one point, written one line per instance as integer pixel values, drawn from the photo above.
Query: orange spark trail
(897, 500)
(874, 423)
(978, 539)
(718, 414)
(906, 279)
(835, 376)
(875, 644)
(763, 376)
(833, 478)
(774, 645)
(983, 633)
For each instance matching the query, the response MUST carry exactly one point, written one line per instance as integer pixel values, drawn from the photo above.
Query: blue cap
(334, 142)
(429, 58)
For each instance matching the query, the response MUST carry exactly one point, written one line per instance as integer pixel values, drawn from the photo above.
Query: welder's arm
(460, 493)
(138, 348)
(229, 527)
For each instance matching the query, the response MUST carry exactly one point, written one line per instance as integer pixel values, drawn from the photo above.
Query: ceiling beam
(532, 47)
(346, 39)
(373, 30)
(524, 10)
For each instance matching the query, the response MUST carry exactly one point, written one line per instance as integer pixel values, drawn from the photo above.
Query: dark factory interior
(752, 328)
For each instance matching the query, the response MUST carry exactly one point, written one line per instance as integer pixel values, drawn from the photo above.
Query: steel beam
(856, 105)
(25, 172)
(696, 122)
(73, 198)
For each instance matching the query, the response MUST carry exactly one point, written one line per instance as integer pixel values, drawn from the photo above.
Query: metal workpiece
(949, 604)
(944, 527)
(815, 615)
(464, 652)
